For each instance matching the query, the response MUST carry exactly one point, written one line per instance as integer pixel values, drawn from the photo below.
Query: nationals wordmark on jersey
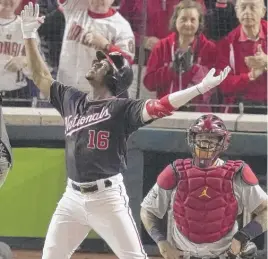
(78, 122)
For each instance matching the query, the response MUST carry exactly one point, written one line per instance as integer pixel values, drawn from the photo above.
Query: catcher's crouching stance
(96, 133)
(205, 195)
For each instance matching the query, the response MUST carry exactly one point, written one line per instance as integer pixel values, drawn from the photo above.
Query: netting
(161, 66)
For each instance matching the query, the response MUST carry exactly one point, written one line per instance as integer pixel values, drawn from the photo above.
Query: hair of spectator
(261, 1)
(187, 4)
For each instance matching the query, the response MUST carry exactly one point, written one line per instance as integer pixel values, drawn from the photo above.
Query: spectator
(13, 64)
(152, 23)
(91, 25)
(47, 6)
(158, 13)
(245, 51)
(51, 35)
(184, 57)
(220, 18)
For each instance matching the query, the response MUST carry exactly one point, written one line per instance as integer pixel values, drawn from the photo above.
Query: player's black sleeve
(61, 96)
(133, 114)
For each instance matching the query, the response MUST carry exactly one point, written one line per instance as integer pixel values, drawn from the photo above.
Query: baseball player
(5, 149)
(204, 195)
(90, 25)
(96, 132)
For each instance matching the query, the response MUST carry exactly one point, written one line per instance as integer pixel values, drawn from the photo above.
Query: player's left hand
(16, 63)
(30, 20)
(210, 81)
(95, 40)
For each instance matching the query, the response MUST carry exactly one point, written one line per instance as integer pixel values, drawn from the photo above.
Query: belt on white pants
(95, 186)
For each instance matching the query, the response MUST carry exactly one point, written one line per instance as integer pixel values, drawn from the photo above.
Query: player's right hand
(30, 20)
(168, 251)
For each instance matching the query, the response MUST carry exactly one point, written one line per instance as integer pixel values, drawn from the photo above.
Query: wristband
(29, 35)
(166, 103)
(250, 231)
(156, 234)
(198, 90)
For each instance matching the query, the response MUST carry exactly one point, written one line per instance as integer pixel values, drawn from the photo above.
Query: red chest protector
(205, 208)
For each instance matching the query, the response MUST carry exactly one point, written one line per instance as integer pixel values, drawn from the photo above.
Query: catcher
(5, 149)
(205, 195)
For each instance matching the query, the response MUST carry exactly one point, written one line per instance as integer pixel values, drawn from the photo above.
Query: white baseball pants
(106, 211)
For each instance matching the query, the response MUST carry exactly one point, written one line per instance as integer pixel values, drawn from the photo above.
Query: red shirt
(161, 78)
(158, 15)
(232, 51)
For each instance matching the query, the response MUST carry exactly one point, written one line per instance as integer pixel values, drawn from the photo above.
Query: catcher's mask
(120, 76)
(207, 138)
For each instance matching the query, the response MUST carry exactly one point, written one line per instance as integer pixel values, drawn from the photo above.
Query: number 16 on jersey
(98, 139)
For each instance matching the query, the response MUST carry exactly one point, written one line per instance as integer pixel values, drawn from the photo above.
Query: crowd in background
(171, 43)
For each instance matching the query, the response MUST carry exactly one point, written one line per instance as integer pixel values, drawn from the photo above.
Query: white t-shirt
(76, 58)
(11, 45)
(159, 201)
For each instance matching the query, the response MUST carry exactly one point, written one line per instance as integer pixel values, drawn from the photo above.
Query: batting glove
(210, 81)
(30, 20)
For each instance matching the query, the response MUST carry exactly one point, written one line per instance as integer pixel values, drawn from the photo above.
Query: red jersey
(232, 51)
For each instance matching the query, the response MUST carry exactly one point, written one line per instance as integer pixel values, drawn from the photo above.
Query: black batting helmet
(120, 77)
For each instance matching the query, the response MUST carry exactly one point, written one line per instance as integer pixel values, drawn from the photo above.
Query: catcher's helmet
(207, 138)
(120, 77)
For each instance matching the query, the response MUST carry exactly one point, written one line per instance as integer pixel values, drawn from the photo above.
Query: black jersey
(96, 132)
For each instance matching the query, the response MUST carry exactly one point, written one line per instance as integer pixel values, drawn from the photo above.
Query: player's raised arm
(155, 109)
(30, 22)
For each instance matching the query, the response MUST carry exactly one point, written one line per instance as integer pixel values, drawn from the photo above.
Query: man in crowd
(245, 51)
